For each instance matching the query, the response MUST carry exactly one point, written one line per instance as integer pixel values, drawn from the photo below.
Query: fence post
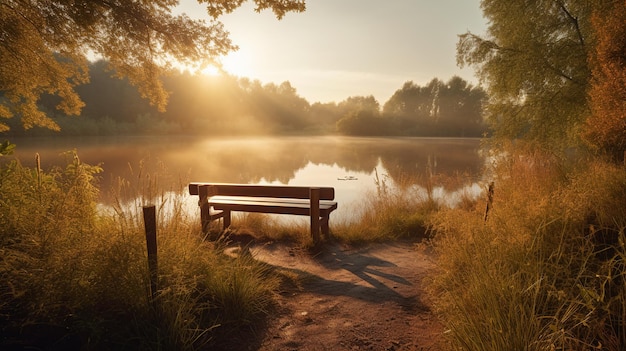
(489, 200)
(149, 220)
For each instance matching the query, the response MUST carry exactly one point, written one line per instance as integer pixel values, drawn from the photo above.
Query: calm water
(353, 166)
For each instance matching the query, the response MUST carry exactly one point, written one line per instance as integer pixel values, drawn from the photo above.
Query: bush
(74, 276)
(546, 271)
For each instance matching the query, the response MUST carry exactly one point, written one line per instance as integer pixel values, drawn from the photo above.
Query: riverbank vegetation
(73, 269)
(226, 105)
(545, 271)
(76, 277)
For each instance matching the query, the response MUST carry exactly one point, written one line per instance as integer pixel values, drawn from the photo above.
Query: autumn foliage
(605, 129)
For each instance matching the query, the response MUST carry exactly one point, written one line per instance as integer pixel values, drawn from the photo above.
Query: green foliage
(280, 7)
(362, 123)
(69, 274)
(534, 60)
(437, 109)
(226, 105)
(545, 272)
(6, 148)
(45, 44)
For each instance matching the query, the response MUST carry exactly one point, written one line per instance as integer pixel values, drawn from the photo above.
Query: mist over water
(355, 167)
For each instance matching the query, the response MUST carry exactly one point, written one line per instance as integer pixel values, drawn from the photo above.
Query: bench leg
(315, 229)
(314, 212)
(226, 216)
(205, 216)
(325, 227)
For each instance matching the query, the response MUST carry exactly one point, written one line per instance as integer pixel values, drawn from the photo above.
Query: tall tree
(412, 101)
(360, 115)
(534, 61)
(606, 127)
(44, 46)
(459, 108)
(437, 109)
(359, 103)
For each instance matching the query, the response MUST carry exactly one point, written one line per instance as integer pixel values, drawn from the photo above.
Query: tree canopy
(534, 59)
(452, 108)
(45, 45)
(228, 105)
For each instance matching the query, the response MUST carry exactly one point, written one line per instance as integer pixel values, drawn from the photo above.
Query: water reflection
(351, 165)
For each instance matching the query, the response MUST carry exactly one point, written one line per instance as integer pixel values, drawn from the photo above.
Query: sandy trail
(365, 298)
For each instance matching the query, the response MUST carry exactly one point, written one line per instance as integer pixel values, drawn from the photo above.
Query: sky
(342, 48)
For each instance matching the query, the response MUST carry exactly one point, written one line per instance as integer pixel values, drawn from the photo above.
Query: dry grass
(545, 272)
(74, 277)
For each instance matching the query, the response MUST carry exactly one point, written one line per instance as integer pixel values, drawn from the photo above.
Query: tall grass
(546, 271)
(401, 210)
(266, 227)
(74, 277)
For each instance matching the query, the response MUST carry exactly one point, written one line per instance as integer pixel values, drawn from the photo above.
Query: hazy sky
(342, 48)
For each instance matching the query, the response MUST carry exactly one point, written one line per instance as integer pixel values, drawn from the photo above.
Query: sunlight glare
(237, 64)
(211, 70)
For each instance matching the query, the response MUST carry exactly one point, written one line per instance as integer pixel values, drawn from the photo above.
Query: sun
(211, 70)
(237, 64)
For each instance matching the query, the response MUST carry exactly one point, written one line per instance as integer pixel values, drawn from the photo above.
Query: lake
(355, 167)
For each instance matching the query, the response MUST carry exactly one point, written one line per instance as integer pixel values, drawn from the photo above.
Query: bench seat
(269, 205)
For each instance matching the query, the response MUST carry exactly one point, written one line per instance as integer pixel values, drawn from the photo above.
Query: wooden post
(38, 165)
(149, 220)
(489, 200)
(314, 194)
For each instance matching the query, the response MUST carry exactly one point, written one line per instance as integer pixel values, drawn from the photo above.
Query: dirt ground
(351, 298)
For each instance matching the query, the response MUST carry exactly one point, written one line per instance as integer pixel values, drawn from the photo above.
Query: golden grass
(545, 272)
(80, 277)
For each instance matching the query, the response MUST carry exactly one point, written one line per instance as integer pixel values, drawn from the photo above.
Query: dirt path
(366, 298)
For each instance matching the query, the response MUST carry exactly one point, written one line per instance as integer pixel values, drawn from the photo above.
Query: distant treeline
(226, 105)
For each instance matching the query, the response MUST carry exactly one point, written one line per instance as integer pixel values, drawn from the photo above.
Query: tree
(359, 103)
(534, 61)
(324, 116)
(606, 126)
(437, 109)
(412, 101)
(276, 107)
(362, 123)
(458, 107)
(44, 45)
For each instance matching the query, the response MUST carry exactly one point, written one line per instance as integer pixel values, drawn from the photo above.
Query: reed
(401, 210)
(74, 276)
(545, 271)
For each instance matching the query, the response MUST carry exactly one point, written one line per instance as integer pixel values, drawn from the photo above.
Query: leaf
(6, 148)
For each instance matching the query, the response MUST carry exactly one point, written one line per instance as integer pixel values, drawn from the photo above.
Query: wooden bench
(218, 200)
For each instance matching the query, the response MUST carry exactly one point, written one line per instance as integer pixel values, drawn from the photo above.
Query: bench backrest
(280, 191)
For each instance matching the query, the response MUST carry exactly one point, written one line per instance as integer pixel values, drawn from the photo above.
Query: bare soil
(370, 297)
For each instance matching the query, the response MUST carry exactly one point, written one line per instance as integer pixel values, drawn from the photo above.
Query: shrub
(75, 276)
(537, 275)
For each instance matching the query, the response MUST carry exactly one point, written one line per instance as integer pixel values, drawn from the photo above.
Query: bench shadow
(373, 285)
